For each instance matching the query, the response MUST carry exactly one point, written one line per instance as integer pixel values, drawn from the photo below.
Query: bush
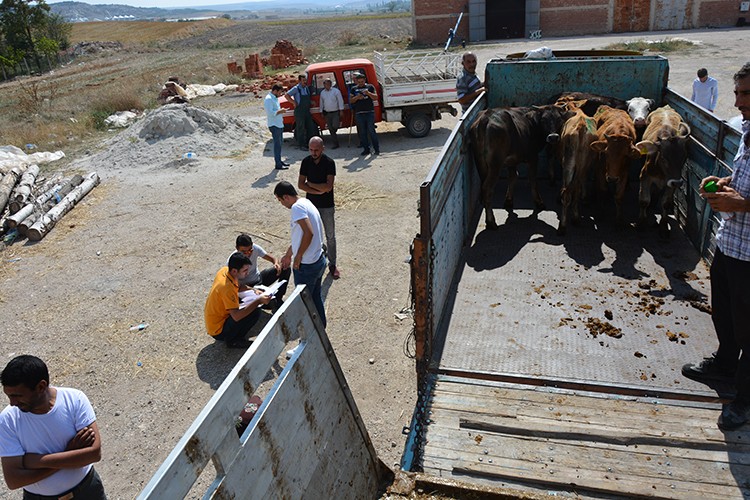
(349, 37)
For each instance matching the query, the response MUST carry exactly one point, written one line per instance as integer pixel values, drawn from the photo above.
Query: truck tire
(418, 125)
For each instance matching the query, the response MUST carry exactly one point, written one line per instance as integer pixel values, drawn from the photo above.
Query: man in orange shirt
(225, 320)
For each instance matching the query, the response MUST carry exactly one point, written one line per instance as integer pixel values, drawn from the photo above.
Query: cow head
(669, 154)
(638, 109)
(618, 150)
(550, 120)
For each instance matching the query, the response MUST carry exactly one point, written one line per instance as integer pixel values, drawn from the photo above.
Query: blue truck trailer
(551, 363)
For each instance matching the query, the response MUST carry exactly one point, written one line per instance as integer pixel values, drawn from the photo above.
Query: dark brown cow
(505, 137)
(577, 135)
(616, 134)
(664, 141)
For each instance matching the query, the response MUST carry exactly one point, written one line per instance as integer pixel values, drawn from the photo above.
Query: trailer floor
(577, 444)
(598, 306)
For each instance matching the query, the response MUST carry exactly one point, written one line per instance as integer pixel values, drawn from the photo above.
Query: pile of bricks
(253, 67)
(258, 88)
(283, 55)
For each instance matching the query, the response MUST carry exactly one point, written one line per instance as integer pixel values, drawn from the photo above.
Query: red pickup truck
(414, 88)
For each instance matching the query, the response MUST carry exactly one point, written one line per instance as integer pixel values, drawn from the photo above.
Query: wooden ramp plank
(505, 434)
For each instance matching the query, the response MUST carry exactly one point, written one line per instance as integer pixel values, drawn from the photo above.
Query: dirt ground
(146, 243)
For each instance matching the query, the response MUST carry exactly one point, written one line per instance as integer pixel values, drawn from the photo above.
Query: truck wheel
(418, 125)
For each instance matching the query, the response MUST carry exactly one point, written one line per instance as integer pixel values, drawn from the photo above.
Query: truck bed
(532, 392)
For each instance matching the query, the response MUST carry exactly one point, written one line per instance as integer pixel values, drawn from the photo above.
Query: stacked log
(32, 214)
(46, 222)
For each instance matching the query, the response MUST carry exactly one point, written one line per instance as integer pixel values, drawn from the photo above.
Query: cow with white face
(638, 109)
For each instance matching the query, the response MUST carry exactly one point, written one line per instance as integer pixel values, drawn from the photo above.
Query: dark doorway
(505, 19)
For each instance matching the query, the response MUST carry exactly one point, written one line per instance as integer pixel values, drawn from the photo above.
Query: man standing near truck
(730, 274)
(468, 85)
(705, 90)
(275, 123)
(316, 177)
(331, 105)
(362, 97)
(304, 126)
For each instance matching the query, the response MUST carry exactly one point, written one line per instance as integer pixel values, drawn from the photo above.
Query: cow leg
(538, 203)
(512, 178)
(488, 190)
(644, 200)
(667, 204)
(566, 196)
(622, 183)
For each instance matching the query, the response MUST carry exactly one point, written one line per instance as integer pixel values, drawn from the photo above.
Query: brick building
(499, 19)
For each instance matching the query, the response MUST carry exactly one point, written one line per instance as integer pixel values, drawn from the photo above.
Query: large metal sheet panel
(526, 82)
(526, 296)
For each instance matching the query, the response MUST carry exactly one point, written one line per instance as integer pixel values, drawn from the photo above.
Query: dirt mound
(170, 134)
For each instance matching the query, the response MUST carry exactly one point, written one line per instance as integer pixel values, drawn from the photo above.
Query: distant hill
(82, 12)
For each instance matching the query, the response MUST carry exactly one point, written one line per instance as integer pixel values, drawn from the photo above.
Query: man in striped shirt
(468, 86)
(730, 274)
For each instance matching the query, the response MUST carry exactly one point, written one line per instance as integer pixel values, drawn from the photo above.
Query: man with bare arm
(48, 436)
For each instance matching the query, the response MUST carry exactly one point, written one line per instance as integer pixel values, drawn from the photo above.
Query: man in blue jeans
(275, 123)
(305, 254)
(362, 98)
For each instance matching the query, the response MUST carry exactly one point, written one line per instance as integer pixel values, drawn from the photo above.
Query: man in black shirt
(362, 98)
(316, 176)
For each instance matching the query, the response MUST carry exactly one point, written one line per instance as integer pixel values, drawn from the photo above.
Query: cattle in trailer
(577, 135)
(665, 144)
(588, 103)
(638, 109)
(506, 137)
(615, 141)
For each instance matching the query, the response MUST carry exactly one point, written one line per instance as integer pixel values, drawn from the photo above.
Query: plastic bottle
(712, 187)
(139, 327)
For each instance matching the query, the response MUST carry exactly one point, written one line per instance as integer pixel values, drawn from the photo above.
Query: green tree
(59, 30)
(20, 19)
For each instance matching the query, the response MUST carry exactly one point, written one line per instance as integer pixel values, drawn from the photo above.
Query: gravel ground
(146, 243)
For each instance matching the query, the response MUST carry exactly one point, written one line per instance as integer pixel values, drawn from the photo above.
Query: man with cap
(362, 98)
(331, 105)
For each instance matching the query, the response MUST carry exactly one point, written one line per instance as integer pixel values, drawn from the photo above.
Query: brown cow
(577, 135)
(505, 137)
(665, 142)
(616, 134)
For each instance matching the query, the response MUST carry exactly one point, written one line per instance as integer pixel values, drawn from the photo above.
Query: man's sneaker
(708, 370)
(292, 352)
(364, 152)
(734, 415)
(240, 344)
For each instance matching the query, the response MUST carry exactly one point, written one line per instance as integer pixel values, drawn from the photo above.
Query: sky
(164, 4)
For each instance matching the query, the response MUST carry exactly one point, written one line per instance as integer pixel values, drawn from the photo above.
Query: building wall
(433, 18)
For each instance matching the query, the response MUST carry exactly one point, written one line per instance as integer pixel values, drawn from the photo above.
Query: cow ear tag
(643, 150)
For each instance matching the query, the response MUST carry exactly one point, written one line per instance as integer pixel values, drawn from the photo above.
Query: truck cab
(341, 74)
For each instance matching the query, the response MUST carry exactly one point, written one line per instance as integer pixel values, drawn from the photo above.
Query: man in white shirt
(48, 435)
(331, 105)
(705, 90)
(305, 254)
(275, 123)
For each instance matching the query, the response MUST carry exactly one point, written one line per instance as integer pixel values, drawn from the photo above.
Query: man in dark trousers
(304, 126)
(730, 274)
(48, 435)
(362, 98)
(316, 177)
